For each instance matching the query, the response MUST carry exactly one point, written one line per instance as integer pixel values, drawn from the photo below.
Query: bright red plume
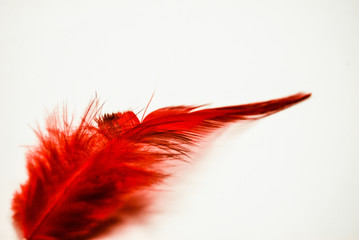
(81, 179)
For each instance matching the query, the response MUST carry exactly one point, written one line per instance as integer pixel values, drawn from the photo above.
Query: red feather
(82, 179)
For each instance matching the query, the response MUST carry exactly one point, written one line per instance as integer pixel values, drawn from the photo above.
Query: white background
(293, 175)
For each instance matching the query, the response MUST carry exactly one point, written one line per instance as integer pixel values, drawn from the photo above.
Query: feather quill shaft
(82, 179)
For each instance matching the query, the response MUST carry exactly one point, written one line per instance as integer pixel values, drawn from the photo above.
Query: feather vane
(81, 179)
